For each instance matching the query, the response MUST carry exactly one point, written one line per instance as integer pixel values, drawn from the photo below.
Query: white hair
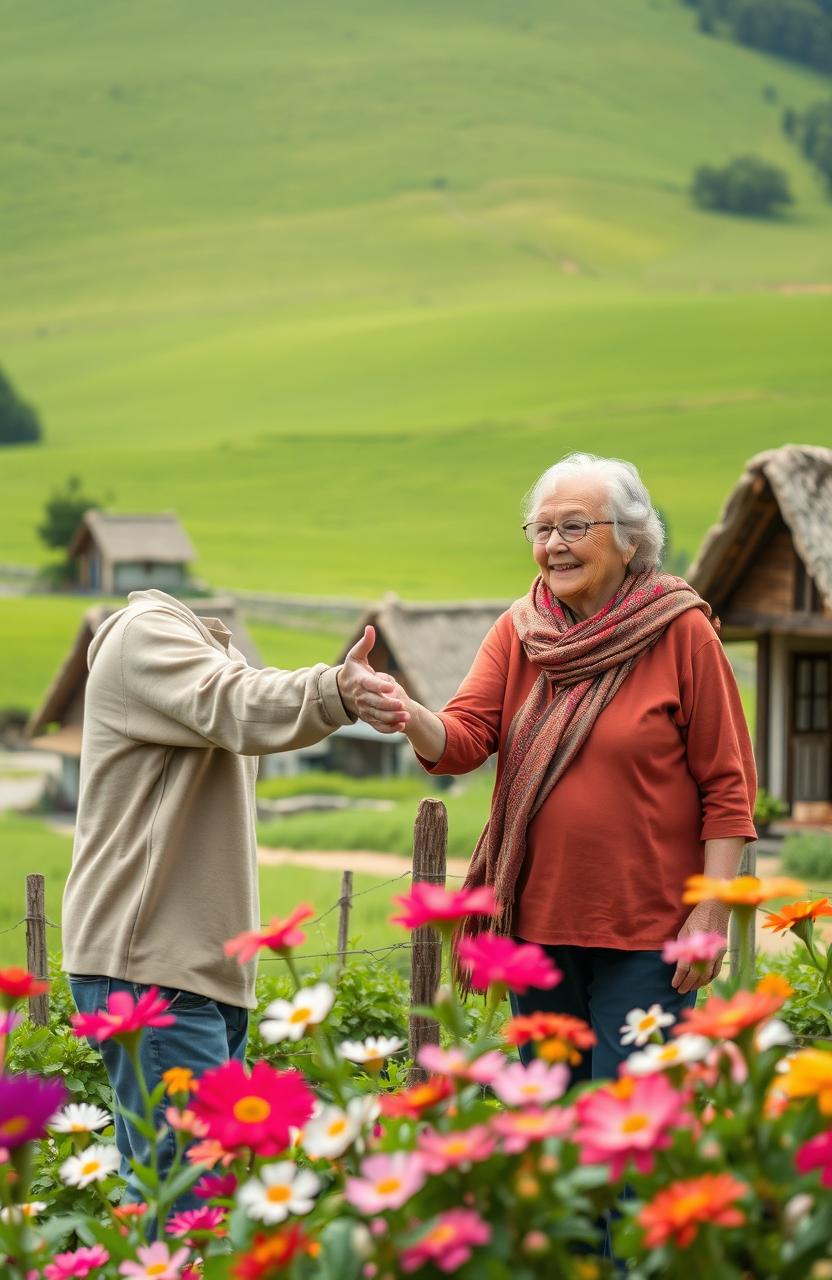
(637, 523)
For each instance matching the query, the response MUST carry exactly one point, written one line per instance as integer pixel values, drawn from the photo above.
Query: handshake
(370, 695)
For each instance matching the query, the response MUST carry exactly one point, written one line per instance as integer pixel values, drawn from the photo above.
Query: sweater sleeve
(719, 752)
(179, 690)
(473, 717)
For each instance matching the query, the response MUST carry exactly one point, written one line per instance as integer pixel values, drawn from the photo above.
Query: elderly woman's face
(584, 574)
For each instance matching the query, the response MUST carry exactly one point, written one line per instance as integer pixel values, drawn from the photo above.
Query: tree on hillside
(63, 511)
(746, 185)
(19, 423)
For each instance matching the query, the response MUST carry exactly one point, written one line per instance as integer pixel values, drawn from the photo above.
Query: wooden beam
(761, 732)
(754, 623)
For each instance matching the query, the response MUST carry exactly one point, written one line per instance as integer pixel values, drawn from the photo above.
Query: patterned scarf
(586, 663)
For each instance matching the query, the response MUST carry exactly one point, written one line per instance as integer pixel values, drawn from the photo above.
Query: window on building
(811, 692)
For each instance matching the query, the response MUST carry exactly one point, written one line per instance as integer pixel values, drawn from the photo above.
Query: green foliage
(747, 185)
(808, 855)
(812, 131)
(767, 808)
(803, 1011)
(63, 511)
(318, 783)
(797, 29)
(19, 423)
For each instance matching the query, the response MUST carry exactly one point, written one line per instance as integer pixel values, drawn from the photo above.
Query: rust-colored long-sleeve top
(668, 765)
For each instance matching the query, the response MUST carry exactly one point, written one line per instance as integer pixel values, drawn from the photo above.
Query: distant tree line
(812, 131)
(800, 30)
(746, 185)
(19, 423)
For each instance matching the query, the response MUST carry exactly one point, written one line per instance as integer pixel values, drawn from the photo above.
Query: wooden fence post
(36, 958)
(344, 905)
(430, 847)
(748, 867)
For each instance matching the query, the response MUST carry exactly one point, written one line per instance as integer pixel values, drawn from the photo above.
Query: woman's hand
(706, 917)
(373, 697)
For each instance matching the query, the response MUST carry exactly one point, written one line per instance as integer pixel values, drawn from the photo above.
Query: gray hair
(637, 523)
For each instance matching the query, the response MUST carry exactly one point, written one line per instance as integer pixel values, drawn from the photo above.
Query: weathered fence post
(344, 906)
(748, 867)
(430, 847)
(36, 958)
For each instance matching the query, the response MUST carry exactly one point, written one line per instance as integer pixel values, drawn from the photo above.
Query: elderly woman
(624, 762)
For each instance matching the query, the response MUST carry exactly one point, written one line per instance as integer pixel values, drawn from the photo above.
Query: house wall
(141, 575)
(768, 586)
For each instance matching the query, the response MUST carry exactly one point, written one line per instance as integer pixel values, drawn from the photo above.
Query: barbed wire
(26, 919)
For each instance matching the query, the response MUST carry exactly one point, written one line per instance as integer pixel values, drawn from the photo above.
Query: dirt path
(366, 861)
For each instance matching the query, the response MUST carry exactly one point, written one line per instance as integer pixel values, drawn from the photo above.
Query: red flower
(271, 1254)
(490, 959)
(418, 1098)
(124, 1016)
(724, 1019)
(278, 935)
(817, 1154)
(433, 904)
(256, 1110)
(17, 984)
(679, 1211)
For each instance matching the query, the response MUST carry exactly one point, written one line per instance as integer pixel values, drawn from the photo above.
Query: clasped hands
(370, 695)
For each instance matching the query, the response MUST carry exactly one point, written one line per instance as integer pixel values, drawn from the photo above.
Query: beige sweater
(164, 867)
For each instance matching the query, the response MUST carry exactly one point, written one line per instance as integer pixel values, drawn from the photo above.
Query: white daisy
(371, 1052)
(280, 1189)
(80, 1117)
(771, 1033)
(640, 1025)
(331, 1130)
(660, 1057)
(290, 1019)
(93, 1165)
(22, 1212)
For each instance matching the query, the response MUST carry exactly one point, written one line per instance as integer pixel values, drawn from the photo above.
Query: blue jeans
(206, 1034)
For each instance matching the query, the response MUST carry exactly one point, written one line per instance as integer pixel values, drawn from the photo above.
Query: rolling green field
(335, 283)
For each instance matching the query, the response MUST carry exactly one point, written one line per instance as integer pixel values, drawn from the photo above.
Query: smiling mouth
(563, 568)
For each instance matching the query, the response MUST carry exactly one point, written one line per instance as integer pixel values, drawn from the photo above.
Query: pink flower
(79, 1263)
(202, 1219)
(534, 1085)
(693, 948)
(156, 1262)
(519, 1129)
(186, 1122)
(448, 1243)
(628, 1120)
(216, 1187)
(256, 1110)
(124, 1016)
(491, 959)
(453, 1062)
(434, 905)
(278, 935)
(387, 1182)
(459, 1148)
(817, 1154)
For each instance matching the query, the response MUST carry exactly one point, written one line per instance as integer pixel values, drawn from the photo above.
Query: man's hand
(373, 697)
(706, 917)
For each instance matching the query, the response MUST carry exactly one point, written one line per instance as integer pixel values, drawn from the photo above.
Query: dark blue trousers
(602, 985)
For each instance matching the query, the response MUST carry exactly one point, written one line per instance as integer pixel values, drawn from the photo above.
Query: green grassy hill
(336, 282)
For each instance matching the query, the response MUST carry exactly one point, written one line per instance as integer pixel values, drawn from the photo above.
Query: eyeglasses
(570, 530)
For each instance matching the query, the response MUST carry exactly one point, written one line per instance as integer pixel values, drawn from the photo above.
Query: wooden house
(115, 554)
(766, 568)
(57, 724)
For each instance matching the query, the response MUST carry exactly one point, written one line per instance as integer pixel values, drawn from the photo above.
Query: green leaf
(338, 1259)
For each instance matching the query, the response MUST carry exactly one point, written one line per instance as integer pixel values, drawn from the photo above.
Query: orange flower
(179, 1080)
(774, 984)
(809, 1075)
(794, 913)
(270, 1254)
(558, 1036)
(679, 1211)
(725, 1019)
(413, 1101)
(742, 891)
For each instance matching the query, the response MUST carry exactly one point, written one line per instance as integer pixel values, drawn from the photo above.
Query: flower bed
(711, 1154)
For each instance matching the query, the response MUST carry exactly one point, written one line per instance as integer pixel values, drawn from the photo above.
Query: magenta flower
(434, 905)
(387, 1182)
(216, 1186)
(27, 1104)
(628, 1121)
(458, 1149)
(202, 1219)
(519, 1129)
(453, 1062)
(534, 1085)
(817, 1154)
(490, 959)
(124, 1017)
(253, 1109)
(694, 948)
(448, 1242)
(76, 1265)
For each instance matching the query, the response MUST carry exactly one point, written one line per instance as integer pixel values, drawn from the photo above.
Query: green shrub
(339, 784)
(802, 1011)
(746, 185)
(768, 807)
(808, 855)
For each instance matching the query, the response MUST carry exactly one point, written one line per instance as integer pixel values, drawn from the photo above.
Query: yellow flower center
(91, 1166)
(14, 1125)
(301, 1015)
(443, 1234)
(251, 1109)
(689, 1206)
(635, 1123)
(388, 1185)
(669, 1053)
(77, 1128)
(157, 1268)
(530, 1090)
(278, 1195)
(456, 1147)
(647, 1023)
(336, 1128)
